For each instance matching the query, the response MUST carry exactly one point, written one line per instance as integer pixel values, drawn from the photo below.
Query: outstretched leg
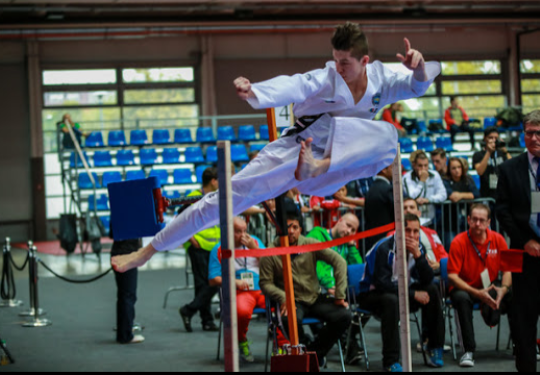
(309, 167)
(123, 263)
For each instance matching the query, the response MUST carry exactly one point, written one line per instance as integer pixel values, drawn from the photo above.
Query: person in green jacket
(346, 226)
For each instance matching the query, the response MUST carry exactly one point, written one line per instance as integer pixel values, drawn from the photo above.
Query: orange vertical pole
(286, 259)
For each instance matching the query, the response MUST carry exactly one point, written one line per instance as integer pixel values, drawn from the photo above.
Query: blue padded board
(133, 211)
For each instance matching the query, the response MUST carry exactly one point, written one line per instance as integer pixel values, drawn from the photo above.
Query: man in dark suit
(379, 208)
(518, 212)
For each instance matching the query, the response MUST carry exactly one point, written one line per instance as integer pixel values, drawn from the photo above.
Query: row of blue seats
(149, 156)
(139, 137)
(488, 122)
(426, 144)
(181, 176)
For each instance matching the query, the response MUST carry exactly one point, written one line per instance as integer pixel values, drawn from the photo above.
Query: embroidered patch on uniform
(376, 100)
(308, 77)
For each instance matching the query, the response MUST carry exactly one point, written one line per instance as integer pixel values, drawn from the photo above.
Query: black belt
(302, 124)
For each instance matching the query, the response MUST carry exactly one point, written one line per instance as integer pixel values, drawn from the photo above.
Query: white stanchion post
(228, 304)
(402, 268)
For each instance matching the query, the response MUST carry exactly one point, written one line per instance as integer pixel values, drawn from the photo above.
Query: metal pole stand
(180, 288)
(33, 266)
(32, 311)
(7, 260)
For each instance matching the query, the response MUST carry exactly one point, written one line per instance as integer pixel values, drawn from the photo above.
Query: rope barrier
(71, 280)
(24, 264)
(7, 285)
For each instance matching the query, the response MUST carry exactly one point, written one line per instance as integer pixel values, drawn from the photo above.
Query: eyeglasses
(532, 133)
(478, 220)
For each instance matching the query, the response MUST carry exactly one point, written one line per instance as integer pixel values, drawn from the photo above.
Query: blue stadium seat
(182, 136)
(406, 145)
(445, 143)
(171, 194)
(79, 161)
(135, 175)
(95, 139)
(422, 126)
(226, 133)
(162, 176)
(489, 121)
(199, 172)
(138, 137)
(171, 156)
(406, 163)
(161, 137)
(246, 133)
(102, 159)
(239, 153)
(148, 156)
(116, 138)
(263, 133)
(125, 158)
(256, 147)
(102, 203)
(522, 140)
(476, 179)
(106, 220)
(110, 177)
(183, 176)
(194, 155)
(85, 183)
(211, 154)
(205, 135)
(424, 143)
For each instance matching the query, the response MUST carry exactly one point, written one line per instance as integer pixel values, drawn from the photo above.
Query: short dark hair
(481, 206)
(452, 98)
(411, 217)
(532, 118)
(438, 152)
(293, 216)
(416, 155)
(349, 37)
(490, 130)
(208, 175)
(410, 199)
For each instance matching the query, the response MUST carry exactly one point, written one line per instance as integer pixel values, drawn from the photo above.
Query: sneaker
(467, 360)
(186, 319)
(210, 327)
(434, 358)
(396, 367)
(137, 339)
(245, 353)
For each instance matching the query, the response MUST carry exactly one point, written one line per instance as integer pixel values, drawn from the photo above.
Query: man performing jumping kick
(334, 140)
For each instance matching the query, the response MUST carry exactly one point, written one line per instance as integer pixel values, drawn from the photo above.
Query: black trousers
(526, 307)
(203, 291)
(386, 306)
(336, 318)
(463, 303)
(464, 128)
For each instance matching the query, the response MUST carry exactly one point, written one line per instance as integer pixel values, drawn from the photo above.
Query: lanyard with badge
(493, 178)
(535, 195)
(486, 280)
(247, 276)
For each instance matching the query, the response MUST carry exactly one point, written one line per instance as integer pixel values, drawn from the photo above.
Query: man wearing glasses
(518, 211)
(473, 268)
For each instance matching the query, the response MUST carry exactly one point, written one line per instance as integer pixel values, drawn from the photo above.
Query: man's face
(412, 230)
(347, 226)
(479, 221)
(532, 143)
(411, 207)
(439, 163)
(295, 230)
(349, 67)
(454, 103)
(240, 229)
(421, 165)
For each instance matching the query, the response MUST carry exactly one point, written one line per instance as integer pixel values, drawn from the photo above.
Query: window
(158, 75)
(79, 98)
(530, 85)
(79, 77)
(470, 67)
(149, 96)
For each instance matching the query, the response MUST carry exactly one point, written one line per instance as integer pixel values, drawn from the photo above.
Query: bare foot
(309, 167)
(123, 263)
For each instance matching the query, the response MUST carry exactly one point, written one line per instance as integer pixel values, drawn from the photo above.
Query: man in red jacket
(457, 120)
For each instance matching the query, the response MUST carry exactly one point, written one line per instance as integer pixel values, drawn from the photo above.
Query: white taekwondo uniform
(358, 146)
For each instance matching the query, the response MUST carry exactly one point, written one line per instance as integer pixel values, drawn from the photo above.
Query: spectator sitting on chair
(423, 185)
(488, 161)
(410, 124)
(198, 249)
(440, 161)
(248, 293)
(390, 115)
(346, 226)
(473, 268)
(457, 121)
(379, 294)
(332, 311)
(460, 186)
